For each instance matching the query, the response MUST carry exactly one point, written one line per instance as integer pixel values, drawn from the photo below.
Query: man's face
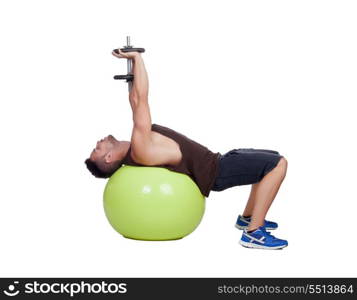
(102, 148)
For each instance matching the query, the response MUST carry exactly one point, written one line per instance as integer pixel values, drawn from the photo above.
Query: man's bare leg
(251, 201)
(248, 211)
(263, 193)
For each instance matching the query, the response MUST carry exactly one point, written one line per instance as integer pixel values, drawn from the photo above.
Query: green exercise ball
(152, 203)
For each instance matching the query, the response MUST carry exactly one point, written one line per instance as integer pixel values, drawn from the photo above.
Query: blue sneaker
(243, 223)
(261, 239)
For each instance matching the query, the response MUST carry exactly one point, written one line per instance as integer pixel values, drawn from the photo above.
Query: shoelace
(268, 233)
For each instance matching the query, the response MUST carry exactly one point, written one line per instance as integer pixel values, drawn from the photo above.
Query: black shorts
(244, 166)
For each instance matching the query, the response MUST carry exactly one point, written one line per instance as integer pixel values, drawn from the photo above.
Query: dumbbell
(128, 77)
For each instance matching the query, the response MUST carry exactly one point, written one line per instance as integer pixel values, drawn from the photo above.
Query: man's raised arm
(141, 136)
(138, 96)
(140, 88)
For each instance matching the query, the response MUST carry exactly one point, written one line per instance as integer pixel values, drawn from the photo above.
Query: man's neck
(124, 145)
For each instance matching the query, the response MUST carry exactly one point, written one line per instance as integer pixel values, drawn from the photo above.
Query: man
(155, 145)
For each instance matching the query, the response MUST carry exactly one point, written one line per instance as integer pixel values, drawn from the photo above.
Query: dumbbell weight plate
(128, 77)
(140, 50)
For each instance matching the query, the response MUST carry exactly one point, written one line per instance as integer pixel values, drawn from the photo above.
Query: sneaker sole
(245, 227)
(255, 246)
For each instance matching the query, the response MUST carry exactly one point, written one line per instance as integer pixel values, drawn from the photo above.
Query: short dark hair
(102, 172)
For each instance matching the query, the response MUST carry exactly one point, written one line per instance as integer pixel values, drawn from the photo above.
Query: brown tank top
(197, 161)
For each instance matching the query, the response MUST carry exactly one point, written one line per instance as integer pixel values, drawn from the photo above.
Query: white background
(265, 74)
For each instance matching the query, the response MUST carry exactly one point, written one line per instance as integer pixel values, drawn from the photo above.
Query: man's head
(106, 157)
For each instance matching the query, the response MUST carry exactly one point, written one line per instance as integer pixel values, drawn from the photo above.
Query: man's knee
(283, 162)
(283, 165)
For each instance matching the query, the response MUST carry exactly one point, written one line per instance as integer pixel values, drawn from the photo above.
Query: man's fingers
(117, 55)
